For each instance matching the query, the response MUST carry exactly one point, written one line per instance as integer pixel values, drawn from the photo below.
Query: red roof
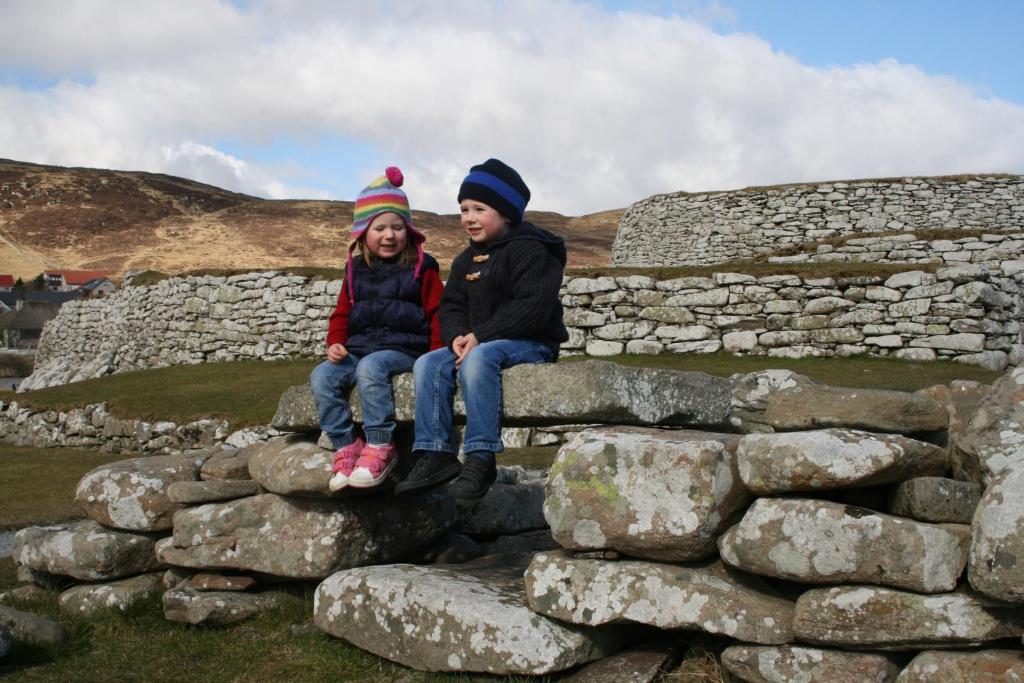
(78, 277)
(6, 280)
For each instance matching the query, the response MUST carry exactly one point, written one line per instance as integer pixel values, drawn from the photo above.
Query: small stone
(204, 581)
(935, 499)
(986, 666)
(644, 664)
(198, 492)
(796, 663)
(195, 607)
(89, 598)
(28, 628)
(228, 464)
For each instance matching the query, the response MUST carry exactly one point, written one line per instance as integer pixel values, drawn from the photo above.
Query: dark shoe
(429, 470)
(477, 476)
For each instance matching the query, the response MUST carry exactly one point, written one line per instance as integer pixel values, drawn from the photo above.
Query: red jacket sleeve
(430, 294)
(337, 326)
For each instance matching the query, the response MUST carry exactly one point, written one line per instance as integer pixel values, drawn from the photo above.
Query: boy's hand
(462, 345)
(336, 353)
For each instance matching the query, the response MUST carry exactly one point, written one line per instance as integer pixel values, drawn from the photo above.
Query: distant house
(6, 282)
(100, 286)
(8, 301)
(21, 328)
(70, 280)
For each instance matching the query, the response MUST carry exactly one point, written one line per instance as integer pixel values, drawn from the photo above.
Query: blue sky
(598, 104)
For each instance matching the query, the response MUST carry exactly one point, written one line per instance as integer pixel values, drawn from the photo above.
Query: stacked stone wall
(714, 227)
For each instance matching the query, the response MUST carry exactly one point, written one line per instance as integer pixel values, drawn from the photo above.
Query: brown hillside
(93, 219)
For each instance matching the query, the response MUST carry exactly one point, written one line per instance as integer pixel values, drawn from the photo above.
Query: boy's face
(482, 223)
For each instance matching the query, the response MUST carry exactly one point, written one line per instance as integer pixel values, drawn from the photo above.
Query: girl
(500, 309)
(386, 317)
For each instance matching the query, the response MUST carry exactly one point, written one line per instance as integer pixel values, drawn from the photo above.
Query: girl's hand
(336, 353)
(462, 345)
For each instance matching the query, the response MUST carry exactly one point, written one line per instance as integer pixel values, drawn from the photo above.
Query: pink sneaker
(373, 466)
(345, 459)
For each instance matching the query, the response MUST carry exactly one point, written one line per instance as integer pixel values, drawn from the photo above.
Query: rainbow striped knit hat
(381, 196)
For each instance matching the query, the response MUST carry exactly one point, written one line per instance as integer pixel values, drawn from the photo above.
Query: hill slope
(94, 219)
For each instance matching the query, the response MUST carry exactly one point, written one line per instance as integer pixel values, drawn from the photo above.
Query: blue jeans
(480, 379)
(331, 383)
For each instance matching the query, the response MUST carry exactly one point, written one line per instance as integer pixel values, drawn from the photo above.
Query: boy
(500, 308)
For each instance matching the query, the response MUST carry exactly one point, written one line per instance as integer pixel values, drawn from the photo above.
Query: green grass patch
(245, 393)
(39, 483)
(864, 372)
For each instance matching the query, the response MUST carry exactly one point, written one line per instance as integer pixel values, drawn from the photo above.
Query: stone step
(575, 392)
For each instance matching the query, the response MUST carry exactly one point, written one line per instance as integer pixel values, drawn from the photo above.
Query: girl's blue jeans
(480, 379)
(331, 383)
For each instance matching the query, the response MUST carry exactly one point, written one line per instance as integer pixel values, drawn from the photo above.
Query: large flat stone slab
(306, 538)
(872, 618)
(997, 544)
(452, 618)
(85, 551)
(561, 393)
(873, 410)
(818, 542)
(833, 458)
(986, 666)
(657, 494)
(705, 596)
(88, 598)
(132, 494)
(994, 438)
(802, 664)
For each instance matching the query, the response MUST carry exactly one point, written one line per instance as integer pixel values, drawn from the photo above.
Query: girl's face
(482, 223)
(386, 237)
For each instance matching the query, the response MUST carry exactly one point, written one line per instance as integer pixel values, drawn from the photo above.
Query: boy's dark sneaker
(477, 476)
(430, 469)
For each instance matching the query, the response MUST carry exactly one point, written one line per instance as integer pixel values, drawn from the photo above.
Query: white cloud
(596, 109)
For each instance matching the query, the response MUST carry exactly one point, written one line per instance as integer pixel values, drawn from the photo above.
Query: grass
(863, 372)
(39, 483)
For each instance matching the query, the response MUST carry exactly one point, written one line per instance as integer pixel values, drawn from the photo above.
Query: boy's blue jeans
(331, 383)
(480, 379)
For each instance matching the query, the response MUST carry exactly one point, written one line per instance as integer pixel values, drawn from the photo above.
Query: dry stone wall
(968, 311)
(714, 227)
(994, 251)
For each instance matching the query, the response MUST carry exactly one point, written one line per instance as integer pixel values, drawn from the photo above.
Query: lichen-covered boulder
(292, 467)
(228, 463)
(471, 617)
(505, 509)
(873, 410)
(28, 628)
(650, 493)
(986, 666)
(212, 490)
(305, 538)
(935, 499)
(801, 664)
(132, 494)
(872, 618)
(214, 607)
(833, 458)
(997, 544)
(704, 596)
(750, 394)
(85, 551)
(819, 542)
(561, 393)
(994, 438)
(88, 598)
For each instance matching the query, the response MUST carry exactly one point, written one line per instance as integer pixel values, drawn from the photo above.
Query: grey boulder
(997, 544)
(305, 538)
(28, 628)
(85, 599)
(132, 494)
(704, 596)
(867, 617)
(873, 410)
(994, 438)
(935, 499)
(650, 493)
(833, 458)
(818, 542)
(85, 551)
(471, 617)
(802, 664)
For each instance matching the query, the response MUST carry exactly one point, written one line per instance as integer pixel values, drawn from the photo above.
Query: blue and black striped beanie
(497, 185)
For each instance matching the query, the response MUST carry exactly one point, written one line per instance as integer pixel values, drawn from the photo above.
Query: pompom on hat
(499, 186)
(384, 195)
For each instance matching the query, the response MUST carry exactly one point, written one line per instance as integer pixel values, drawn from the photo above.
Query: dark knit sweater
(510, 290)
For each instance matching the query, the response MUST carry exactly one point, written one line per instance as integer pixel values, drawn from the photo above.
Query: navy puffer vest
(387, 311)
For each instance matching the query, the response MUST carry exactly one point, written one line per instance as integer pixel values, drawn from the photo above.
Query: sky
(598, 104)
